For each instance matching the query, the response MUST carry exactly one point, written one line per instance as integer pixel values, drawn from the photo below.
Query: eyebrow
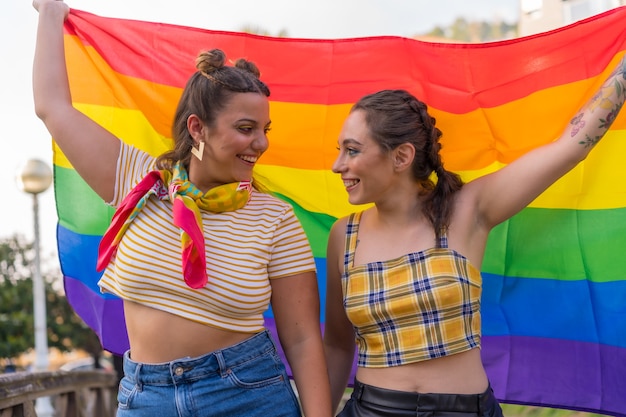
(349, 141)
(253, 121)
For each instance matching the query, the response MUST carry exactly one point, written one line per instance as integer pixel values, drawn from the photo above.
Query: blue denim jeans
(246, 379)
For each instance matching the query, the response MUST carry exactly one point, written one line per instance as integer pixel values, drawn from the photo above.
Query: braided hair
(395, 117)
(206, 93)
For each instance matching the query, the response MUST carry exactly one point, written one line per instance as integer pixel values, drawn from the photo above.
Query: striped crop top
(419, 306)
(245, 249)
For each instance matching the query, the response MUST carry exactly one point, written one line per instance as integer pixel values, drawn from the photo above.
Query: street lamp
(35, 177)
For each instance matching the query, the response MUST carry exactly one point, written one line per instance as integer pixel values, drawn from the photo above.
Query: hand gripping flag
(554, 297)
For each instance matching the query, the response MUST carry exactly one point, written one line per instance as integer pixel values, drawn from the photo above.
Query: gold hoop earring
(198, 152)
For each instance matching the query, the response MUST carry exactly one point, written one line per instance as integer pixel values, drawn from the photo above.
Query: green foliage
(463, 30)
(66, 331)
(257, 30)
(16, 324)
(513, 410)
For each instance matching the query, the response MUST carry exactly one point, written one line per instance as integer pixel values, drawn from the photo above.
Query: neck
(401, 206)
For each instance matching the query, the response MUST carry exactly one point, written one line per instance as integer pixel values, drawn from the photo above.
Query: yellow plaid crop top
(420, 306)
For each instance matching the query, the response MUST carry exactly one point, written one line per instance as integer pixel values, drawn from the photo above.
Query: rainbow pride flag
(554, 298)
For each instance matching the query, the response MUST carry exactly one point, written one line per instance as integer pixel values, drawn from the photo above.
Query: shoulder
(351, 220)
(339, 229)
(131, 152)
(336, 243)
(269, 208)
(261, 198)
(340, 225)
(266, 197)
(134, 163)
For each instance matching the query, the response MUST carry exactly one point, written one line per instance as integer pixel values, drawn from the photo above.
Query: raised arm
(500, 195)
(90, 148)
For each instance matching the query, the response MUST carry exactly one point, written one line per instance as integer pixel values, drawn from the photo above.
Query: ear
(403, 156)
(196, 127)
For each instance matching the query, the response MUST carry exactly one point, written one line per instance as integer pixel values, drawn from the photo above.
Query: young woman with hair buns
(178, 252)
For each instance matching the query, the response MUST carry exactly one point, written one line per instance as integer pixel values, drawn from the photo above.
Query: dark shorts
(370, 401)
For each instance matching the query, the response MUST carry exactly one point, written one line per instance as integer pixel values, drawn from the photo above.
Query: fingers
(39, 4)
(55, 6)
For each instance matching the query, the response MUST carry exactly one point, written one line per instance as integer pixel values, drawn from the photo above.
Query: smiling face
(234, 144)
(366, 170)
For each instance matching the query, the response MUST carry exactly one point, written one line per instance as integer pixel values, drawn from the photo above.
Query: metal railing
(90, 393)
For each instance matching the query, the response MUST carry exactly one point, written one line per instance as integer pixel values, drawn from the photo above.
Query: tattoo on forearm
(609, 100)
(610, 117)
(620, 69)
(577, 123)
(590, 142)
(610, 94)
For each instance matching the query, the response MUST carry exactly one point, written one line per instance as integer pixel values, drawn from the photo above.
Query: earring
(198, 152)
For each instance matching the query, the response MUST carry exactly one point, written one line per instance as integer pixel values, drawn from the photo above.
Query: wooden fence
(72, 394)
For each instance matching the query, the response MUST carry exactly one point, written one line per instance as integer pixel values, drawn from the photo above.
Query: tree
(475, 31)
(66, 331)
(257, 30)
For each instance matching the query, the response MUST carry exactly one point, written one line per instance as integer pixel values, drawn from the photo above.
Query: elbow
(53, 114)
(48, 122)
(51, 104)
(44, 110)
(578, 159)
(44, 115)
(40, 110)
(339, 345)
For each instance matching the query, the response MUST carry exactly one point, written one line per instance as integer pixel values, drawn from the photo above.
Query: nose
(338, 165)
(260, 143)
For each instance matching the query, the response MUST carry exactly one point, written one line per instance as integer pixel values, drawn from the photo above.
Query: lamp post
(35, 177)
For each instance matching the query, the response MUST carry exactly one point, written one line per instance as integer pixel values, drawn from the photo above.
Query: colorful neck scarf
(187, 201)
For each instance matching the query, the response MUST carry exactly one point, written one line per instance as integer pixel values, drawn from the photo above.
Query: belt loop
(138, 380)
(224, 370)
(359, 387)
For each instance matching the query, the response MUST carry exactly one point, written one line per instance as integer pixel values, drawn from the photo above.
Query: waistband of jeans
(472, 403)
(251, 348)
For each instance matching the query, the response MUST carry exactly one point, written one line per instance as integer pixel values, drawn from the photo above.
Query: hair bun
(249, 66)
(210, 61)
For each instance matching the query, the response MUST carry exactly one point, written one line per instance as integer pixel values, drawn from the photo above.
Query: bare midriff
(156, 336)
(461, 373)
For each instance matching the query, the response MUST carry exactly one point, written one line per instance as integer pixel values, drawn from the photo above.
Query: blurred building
(544, 15)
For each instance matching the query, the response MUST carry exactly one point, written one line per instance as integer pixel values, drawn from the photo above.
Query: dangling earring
(198, 152)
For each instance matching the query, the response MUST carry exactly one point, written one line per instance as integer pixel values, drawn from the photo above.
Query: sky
(25, 136)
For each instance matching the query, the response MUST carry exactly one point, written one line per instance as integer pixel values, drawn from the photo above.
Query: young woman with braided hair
(198, 346)
(403, 280)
